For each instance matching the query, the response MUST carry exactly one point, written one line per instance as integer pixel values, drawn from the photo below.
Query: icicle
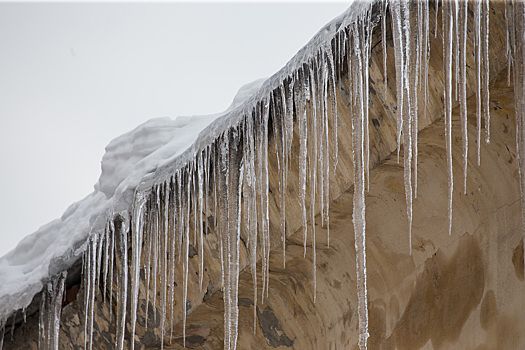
(41, 324)
(414, 60)
(186, 254)
(455, 43)
(279, 124)
(2, 333)
(436, 4)
(165, 282)
(100, 245)
(250, 202)
(50, 310)
(123, 282)
(147, 263)
(111, 267)
(358, 154)
(397, 33)
(301, 94)
(136, 245)
(87, 291)
(426, 55)
(265, 188)
(406, 76)
(320, 75)
(193, 194)
(326, 170)
(477, 58)
(485, 66)
(200, 167)
(156, 248)
(14, 324)
(106, 258)
(366, 42)
(383, 36)
(462, 29)
(235, 173)
(447, 62)
(312, 180)
(333, 108)
(409, 111)
(229, 203)
(58, 295)
(173, 236)
(262, 160)
(90, 300)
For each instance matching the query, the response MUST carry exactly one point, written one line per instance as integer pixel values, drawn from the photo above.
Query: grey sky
(75, 76)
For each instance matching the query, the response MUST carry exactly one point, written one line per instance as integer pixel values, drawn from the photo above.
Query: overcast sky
(74, 76)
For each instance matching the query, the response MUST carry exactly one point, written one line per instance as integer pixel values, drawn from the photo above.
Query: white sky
(74, 76)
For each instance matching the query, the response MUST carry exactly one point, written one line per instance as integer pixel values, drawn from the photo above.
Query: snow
(128, 158)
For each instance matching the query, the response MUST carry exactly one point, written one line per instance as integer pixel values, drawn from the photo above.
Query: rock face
(463, 291)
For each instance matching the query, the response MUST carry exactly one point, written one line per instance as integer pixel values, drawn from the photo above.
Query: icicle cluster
(50, 310)
(225, 187)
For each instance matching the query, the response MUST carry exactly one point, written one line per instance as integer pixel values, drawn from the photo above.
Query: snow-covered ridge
(56, 245)
(142, 156)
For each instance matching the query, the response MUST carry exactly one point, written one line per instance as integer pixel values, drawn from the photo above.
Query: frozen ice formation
(162, 182)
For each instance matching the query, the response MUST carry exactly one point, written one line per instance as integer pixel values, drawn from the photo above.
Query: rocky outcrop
(459, 291)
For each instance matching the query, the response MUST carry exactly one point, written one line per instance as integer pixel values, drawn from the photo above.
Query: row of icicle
(226, 186)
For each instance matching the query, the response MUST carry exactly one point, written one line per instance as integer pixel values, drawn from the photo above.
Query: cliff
(439, 266)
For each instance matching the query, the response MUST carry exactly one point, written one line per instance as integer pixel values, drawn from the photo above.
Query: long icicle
(463, 15)
(123, 281)
(301, 94)
(477, 58)
(447, 72)
(312, 180)
(136, 243)
(485, 74)
(358, 152)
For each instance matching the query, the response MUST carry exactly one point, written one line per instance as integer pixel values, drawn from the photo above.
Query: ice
(230, 186)
(50, 311)
(447, 68)
(147, 269)
(485, 66)
(90, 275)
(333, 108)
(122, 243)
(425, 49)
(366, 41)
(462, 44)
(312, 179)
(250, 203)
(405, 53)
(163, 176)
(111, 266)
(397, 34)
(358, 156)
(383, 39)
(186, 206)
(165, 217)
(326, 149)
(478, 64)
(300, 102)
(200, 171)
(136, 242)
(263, 162)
